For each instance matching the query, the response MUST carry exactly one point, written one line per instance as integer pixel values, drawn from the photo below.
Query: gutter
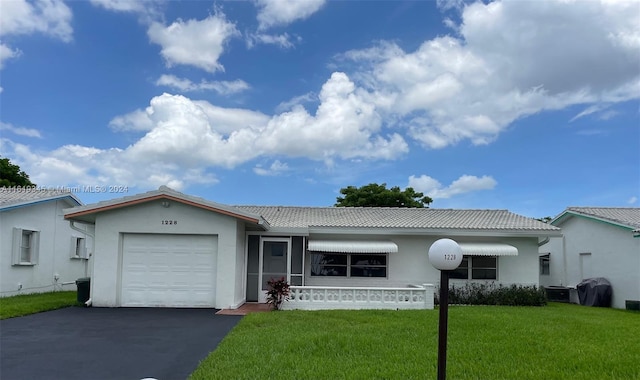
(544, 241)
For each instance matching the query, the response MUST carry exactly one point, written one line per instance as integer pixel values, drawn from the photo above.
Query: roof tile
(383, 217)
(629, 216)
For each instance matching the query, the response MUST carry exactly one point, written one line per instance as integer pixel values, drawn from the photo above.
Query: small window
(544, 265)
(476, 268)
(78, 248)
(25, 246)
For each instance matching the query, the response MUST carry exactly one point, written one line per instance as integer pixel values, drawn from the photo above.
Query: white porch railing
(330, 297)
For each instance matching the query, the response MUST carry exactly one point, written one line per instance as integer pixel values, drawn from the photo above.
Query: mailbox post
(445, 255)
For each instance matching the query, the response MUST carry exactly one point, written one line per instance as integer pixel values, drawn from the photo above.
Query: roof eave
(570, 213)
(67, 197)
(91, 211)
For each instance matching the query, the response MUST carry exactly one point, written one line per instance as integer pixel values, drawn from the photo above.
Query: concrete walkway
(103, 343)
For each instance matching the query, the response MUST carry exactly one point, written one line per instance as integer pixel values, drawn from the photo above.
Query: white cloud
(632, 200)
(7, 53)
(19, 17)
(50, 17)
(465, 184)
(512, 59)
(296, 101)
(198, 43)
(185, 85)
(183, 138)
(283, 41)
(147, 10)
(28, 132)
(283, 12)
(122, 5)
(276, 168)
(346, 125)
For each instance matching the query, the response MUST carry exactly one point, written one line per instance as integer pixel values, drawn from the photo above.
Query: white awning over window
(348, 246)
(488, 249)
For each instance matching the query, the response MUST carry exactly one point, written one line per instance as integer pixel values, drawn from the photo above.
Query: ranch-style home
(164, 248)
(40, 251)
(596, 242)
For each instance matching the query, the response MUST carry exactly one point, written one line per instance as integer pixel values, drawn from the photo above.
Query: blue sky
(531, 106)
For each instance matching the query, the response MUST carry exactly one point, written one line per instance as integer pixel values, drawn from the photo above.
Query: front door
(275, 262)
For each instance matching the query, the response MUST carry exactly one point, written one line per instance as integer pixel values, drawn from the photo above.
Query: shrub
(492, 294)
(278, 292)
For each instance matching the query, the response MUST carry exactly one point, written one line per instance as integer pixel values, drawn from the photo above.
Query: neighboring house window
(544, 265)
(25, 247)
(78, 248)
(477, 268)
(349, 265)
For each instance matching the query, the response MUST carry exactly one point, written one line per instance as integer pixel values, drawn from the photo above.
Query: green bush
(491, 294)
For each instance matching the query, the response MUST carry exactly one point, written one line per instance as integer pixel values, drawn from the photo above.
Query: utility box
(632, 305)
(558, 294)
(84, 287)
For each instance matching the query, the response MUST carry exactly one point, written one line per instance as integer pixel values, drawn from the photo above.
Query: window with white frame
(349, 264)
(78, 248)
(476, 268)
(544, 264)
(25, 246)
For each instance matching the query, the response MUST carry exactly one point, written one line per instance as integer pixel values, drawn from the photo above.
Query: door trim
(262, 295)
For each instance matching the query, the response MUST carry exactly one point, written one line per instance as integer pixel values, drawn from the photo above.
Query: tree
(11, 175)
(374, 195)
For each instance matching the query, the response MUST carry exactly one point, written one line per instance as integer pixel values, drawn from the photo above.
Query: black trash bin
(84, 286)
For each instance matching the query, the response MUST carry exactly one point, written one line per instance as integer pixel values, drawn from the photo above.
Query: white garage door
(169, 270)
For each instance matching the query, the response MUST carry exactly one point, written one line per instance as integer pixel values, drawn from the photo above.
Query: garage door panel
(168, 270)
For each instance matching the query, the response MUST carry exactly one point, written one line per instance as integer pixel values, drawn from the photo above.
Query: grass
(559, 341)
(17, 306)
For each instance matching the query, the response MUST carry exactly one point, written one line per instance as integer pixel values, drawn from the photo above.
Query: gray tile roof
(382, 217)
(628, 216)
(12, 197)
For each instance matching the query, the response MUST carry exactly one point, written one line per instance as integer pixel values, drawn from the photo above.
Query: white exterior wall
(615, 255)
(54, 255)
(556, 276)
(410, 265)
(111, 225)
(241, 267)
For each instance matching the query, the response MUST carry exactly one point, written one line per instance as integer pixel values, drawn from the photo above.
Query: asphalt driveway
(103, 343)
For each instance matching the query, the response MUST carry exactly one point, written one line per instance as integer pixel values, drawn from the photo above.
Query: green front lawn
(559, 341)
(26, 304)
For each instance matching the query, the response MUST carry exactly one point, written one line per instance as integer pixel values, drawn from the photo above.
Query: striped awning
(488, 249)
(350, 246)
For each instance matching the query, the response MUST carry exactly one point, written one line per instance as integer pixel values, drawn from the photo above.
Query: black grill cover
(595, 292)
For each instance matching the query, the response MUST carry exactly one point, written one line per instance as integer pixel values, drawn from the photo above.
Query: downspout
(564, 261)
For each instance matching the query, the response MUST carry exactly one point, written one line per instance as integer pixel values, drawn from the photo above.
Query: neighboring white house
(597, 242)
(167, 249)
(39, 250)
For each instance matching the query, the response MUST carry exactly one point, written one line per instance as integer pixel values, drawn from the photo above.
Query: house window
(544, 265)
(477, 268)
(25, 247)
(78, 248)
(349, 265)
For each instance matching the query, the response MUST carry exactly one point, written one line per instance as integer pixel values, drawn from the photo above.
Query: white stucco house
(597, 242)
(164, 248)
(39, 250)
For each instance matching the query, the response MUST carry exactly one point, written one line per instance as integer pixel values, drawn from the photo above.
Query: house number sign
(168, 222)
(445, 254)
